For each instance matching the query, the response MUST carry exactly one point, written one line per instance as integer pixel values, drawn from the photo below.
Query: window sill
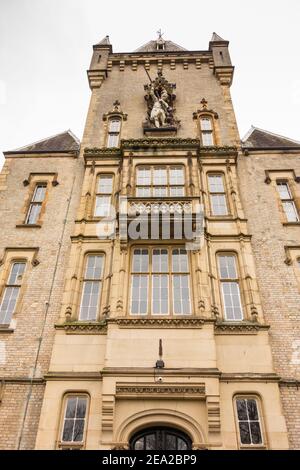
(290, 223)
(253, 447)
(6, 329)
(221, 217)
(70, 446)
(28, 226)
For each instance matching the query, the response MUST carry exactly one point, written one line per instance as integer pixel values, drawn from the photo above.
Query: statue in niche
(160, 99)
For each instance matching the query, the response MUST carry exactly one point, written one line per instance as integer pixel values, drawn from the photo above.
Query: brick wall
(277, 281)
(19, 349)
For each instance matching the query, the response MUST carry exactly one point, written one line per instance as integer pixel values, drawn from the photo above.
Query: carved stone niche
(160, 98)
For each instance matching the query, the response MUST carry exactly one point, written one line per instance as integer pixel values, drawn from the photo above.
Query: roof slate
(259, 138)
(63, 142)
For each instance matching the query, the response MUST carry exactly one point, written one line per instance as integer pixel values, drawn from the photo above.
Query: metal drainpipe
(47, 303)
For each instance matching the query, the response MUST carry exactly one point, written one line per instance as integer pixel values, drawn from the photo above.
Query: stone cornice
(90, 153)
(21, 380)
(224, 150)
(238, 236)
(245, 328)
(42, 154)
(289, 383)
(159, 142)
(267, 150)
(159, 391)
(158, 54)
(82, 328)
(249, 377)
(66, 375)
(149, 371)
(159, 322)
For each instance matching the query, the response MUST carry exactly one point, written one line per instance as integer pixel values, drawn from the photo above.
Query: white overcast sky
(46, 46)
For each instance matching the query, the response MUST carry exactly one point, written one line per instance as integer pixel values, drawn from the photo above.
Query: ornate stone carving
(160, 98)
(146, 390)
(82, 328)
(241, 328)
(68, 313)
(104, 151)
(224, 150)
(169, 207)
(115, 112)
(205, 110)
(158, 322)
(166, 142)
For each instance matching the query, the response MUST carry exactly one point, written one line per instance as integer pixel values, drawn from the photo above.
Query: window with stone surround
(249, 423)
(91, 287)
(73, 429)
(114, 129)
(206, 131)
(217, 194)
(104, 190)
(287, 201)
(160, 181)
(36, 203)
(11, 291)
(160, 283)
(229, 285)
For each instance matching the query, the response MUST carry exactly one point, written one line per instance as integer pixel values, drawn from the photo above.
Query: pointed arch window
(207, 132)
(207, 125)
(114, 129)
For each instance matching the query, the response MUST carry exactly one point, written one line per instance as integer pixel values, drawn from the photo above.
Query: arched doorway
(160, 438)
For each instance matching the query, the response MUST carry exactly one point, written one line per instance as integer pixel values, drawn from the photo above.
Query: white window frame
(248, 421)
(113, 134)
(289, 200)
(102, 195)
(207, 131)
(170, 273)
(11, 287)
(34, 203)
(230, 281)
(86, 280)
(167, 187)
(218, 193)
(66, 399)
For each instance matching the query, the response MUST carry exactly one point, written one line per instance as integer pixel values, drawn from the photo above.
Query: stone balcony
(173, 206)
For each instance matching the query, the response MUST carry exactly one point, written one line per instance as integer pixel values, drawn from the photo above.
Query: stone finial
(117, 107)
(204, 103)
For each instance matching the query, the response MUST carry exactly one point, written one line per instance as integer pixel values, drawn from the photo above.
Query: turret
(98, 67)
(223, 68)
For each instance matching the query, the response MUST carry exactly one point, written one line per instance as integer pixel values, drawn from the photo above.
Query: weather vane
(160, 34)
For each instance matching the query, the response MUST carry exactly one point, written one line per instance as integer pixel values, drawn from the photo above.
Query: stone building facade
(111, 340)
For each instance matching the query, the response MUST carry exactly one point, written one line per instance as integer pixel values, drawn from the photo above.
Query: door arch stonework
(160, 418)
